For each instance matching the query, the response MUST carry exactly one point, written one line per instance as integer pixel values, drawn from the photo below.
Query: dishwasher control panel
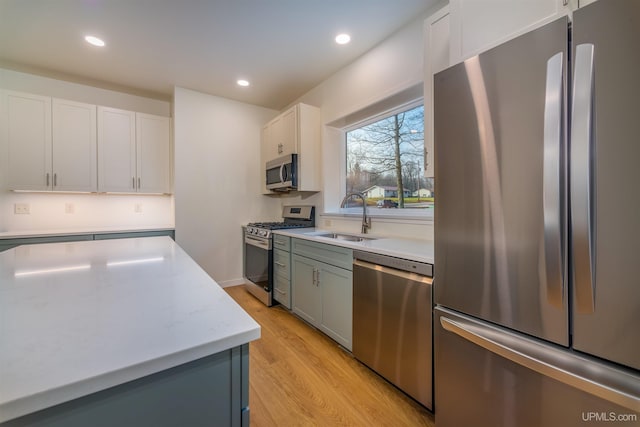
(422, 268)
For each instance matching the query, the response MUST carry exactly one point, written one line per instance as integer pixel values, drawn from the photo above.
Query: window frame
(413, 214)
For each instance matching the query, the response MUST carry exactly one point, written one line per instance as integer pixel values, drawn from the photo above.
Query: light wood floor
(300, 377)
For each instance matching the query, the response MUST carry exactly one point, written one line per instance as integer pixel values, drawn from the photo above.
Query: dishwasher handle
(419, 267)
(393, 271)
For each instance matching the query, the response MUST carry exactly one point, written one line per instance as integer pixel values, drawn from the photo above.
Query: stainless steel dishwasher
(392, 321)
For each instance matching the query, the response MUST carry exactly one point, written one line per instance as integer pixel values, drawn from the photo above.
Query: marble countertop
(81, 317)
(415, 250)
(75, 231)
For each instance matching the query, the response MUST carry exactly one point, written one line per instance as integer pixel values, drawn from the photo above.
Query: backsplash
(389, 227)
(68, 211)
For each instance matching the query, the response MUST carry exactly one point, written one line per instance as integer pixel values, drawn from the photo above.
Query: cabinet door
(75, 166)
(282, 290)
(281, 135)
(116, 150)
(281, 262)
(28, 135)
(436, 59)
(478, 25)
(288, 132)
(305, 293)
(336, 285)
(153, 142)
(269, 142)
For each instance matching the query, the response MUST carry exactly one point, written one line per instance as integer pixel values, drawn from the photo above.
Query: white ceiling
(283, 47)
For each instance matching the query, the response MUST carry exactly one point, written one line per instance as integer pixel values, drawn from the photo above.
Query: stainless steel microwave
(282, 173)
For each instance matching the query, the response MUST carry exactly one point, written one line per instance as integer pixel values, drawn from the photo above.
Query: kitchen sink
(346, 237)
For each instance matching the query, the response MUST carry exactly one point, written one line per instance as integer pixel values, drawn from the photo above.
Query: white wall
(31, 83)
(392, 69)
(217, 184)
(90, 211)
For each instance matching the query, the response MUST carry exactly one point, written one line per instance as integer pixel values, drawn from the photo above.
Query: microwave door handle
(282, 172)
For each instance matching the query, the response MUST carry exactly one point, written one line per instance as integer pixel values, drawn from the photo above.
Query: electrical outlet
(137, 208)
(21, 209)
(69, 208)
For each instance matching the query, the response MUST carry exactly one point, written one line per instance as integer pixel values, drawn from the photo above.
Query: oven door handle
(257, 242)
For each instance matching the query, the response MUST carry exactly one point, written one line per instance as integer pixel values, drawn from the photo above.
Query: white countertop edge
(25, 234)
(46, 399)
(396, 244)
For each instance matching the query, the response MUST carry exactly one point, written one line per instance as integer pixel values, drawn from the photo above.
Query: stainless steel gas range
(258, 249)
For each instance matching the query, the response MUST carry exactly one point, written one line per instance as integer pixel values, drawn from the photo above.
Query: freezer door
(500, 152)
(605, 174)
(488, 376)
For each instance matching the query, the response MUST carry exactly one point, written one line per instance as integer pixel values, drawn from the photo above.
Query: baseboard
(232, 282)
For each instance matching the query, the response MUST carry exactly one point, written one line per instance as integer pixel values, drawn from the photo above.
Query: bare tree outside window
(385, 161)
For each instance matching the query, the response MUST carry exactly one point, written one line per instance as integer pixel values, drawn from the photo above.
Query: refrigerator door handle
(612, 385)
(582, 179)
(552, 196)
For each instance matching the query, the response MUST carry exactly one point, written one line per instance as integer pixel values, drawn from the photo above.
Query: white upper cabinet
(74, 146)
(61, 145)
(134, 152)
(436, 58)
(478, 25)
(295, 131)
(116, 150)
(51, 144)
(28, 136)
(153, 153)
(281, 135)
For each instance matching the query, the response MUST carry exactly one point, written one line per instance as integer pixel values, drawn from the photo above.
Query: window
(385, 162)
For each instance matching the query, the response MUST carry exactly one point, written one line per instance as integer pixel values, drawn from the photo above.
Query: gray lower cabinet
(13, 242)
(211, 391)
(282, 270)
(322, 289)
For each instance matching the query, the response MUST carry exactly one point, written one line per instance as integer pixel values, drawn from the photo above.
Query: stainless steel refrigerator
(537, 227)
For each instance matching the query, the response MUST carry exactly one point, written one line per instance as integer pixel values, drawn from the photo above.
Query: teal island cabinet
(322, 287)
(119, 332)
(11, 240)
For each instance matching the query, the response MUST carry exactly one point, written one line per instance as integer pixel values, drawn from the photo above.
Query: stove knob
(263, 233)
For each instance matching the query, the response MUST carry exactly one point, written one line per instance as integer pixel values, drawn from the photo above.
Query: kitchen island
(119, 332)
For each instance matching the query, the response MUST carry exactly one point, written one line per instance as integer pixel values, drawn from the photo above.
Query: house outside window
(385, 161)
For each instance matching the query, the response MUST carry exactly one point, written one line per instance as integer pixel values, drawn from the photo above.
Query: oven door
(258, 267)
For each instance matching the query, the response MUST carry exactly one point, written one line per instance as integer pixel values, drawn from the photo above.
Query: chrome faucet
(366, 221)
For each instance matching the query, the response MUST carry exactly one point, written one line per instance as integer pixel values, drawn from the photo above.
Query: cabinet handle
(47, 179)
(133, 182)
(317, 277)
(138, 183)
(313, 276)
(279, 243)
(280, 292)
(55, 179)
(279, 264)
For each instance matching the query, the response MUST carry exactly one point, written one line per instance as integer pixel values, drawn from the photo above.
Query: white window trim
(393, 214)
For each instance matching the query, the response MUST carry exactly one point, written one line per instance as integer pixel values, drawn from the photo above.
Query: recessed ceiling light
(343, 38)
(242, 82)
(94, 41)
